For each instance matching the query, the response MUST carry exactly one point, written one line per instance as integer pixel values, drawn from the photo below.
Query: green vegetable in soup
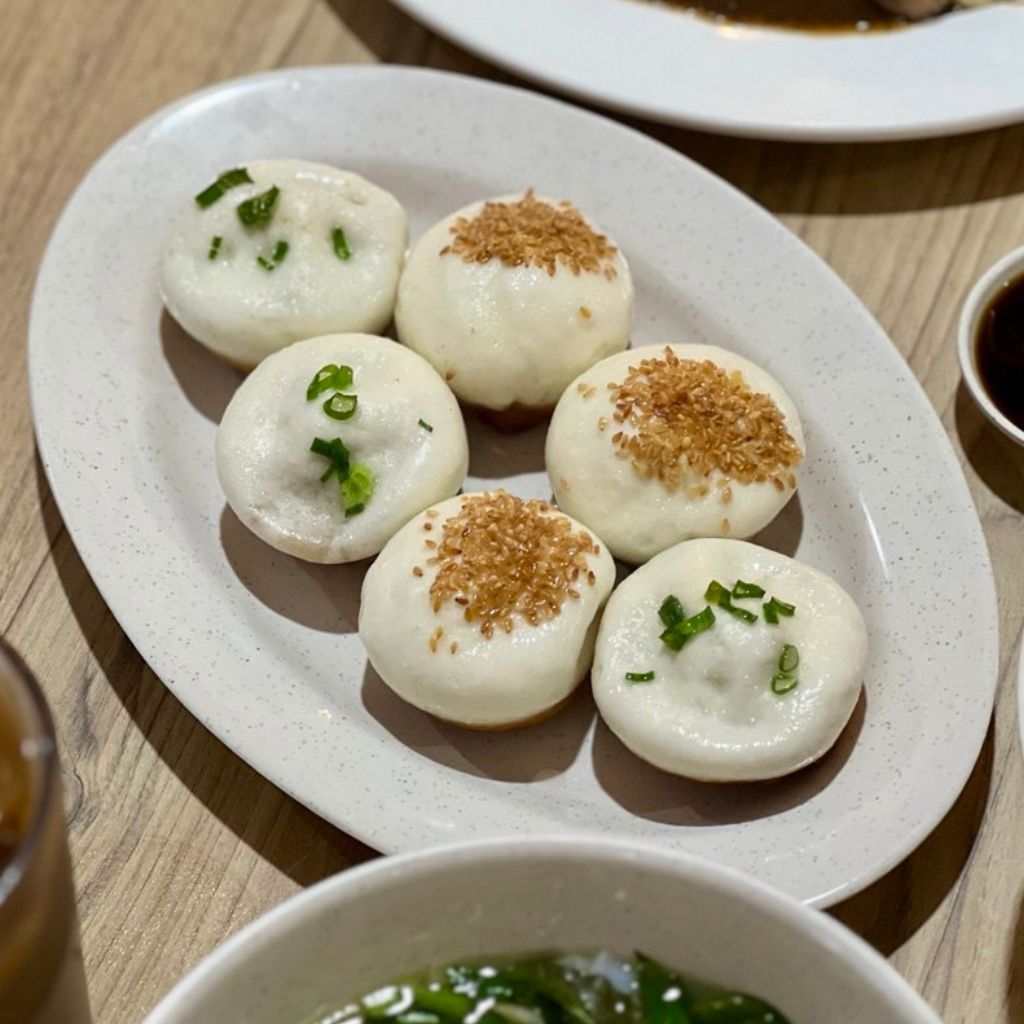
(555, 989)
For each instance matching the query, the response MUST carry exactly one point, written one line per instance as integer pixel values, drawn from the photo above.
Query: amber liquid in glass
(41, 975)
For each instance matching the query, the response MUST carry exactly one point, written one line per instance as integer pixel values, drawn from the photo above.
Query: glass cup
(42, 980)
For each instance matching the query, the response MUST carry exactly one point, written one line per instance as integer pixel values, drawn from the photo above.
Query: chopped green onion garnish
(215, 244)
(739, 613)
(783, 682)
(742, 590)
(341, 249)
(279, 253)
(341, 407)
(257, 211)
(717, 594)
(789, 659)
(673, 638)
(774, 608)
(229, 179)
(357, 489)
(327, 378)
(676, 636)
(639, 677)
(698, 623)
(336, 451)
(356, 480)
(426, 426)
(671, 611)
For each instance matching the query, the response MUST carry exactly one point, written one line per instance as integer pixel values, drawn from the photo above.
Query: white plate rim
(493, 43)
(56, 473)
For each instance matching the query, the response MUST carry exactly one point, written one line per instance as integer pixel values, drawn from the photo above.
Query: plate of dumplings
(471, 465)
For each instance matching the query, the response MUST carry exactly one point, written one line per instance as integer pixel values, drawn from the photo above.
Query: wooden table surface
(176, 842)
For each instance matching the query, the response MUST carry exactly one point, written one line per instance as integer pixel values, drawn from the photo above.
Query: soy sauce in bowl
(999, 349)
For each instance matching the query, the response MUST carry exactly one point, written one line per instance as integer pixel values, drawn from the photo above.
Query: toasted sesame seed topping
(585, 313)
(694, 415)
(502, 557)
(532, 233)
(726, 527)
(454, 646)
(435, 639)
(417, 571)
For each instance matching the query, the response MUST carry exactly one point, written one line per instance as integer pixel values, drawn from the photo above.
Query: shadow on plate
(206, 381)
(891, 910)
(279, 829)
(520, 755)
(783, 533)
(650, 793)
(322, 597)
(494, 455)
(995, 458)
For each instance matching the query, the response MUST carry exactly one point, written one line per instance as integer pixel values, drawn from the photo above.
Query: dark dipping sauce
(808, 15)
(16, 790)
(999, 350)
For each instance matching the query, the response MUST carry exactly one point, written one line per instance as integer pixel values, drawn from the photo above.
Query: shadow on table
(278, 828)
(891, 910)
(785, 177)
(995, 458)
(1015, 973)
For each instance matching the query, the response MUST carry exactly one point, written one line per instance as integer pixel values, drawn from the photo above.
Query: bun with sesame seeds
(665, 443)
(483, 610)
(512, 298)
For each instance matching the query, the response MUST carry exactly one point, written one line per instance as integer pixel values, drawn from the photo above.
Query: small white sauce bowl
(1007, 269)
(378, 923)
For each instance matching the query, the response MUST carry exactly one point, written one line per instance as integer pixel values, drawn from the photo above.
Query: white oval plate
(262, 648)
(958, 73)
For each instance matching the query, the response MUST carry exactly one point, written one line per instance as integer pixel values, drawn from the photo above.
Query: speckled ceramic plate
(957, 73)
(263, 649)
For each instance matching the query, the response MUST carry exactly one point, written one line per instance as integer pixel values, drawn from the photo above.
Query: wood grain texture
(176, 842)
